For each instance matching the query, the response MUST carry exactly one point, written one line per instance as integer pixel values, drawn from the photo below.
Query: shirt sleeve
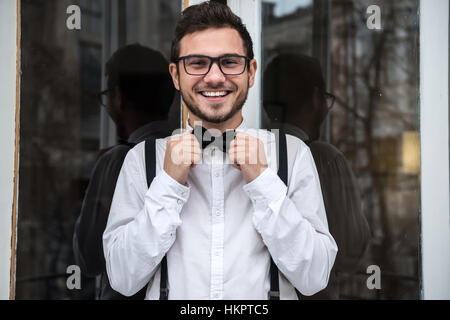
(293, 224)
(141, 226)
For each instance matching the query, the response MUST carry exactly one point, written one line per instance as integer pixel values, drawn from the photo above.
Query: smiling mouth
(215, 94)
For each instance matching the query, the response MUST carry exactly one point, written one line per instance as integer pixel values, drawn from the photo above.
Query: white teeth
(214, 93)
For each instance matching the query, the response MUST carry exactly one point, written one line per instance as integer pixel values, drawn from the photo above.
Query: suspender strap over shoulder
(150, 164)
(150, 160)
(280, 138)
(282, 154)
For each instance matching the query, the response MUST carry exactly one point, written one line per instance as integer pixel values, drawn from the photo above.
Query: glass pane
(60, 115)
(365, 145)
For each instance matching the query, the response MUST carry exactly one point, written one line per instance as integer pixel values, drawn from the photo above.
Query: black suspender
(280, 139)
(150, 160)
(282, 154)
(150, 163)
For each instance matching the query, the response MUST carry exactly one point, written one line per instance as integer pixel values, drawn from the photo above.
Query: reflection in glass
(295, 100)
(60, 128)
(373, 123)
(138, 98)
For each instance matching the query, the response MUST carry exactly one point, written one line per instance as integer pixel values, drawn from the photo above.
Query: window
(370, 72)
(61, 128)
(373, 126)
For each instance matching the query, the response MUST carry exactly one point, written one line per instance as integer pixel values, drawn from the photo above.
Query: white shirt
(217, 231)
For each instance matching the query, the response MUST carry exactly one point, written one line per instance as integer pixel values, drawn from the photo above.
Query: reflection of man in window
(217, 223)
(138, 97)
(295, 101)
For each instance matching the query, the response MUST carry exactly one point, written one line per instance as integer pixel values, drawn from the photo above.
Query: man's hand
(182, 153)
(247, 154)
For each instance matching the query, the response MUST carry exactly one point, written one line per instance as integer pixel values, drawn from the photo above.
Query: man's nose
(215, 75)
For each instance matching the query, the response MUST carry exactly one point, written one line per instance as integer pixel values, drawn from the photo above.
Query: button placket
(217, 232)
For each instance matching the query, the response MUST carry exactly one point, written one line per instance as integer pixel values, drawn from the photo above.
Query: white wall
(8, 51)
(434, 121)
(250, 13)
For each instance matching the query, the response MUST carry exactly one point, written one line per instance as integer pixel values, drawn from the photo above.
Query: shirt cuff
(169, 189)
(267, 187)
(267, 193)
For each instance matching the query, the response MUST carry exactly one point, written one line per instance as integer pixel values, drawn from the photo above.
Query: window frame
(9, 141)
(434, 140)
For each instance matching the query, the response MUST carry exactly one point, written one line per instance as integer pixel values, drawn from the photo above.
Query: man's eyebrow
(220, 55)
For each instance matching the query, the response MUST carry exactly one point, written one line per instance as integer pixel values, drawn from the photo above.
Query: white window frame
(434, 136)
(9, 95)
(250, 13)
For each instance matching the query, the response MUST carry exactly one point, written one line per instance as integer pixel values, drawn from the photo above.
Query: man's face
(194, 89)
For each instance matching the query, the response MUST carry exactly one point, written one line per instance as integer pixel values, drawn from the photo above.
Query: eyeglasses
(229, 64)
(329, 99)
(101, 97)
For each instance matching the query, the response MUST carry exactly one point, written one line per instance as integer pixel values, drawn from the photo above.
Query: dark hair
(142, 75)
(209, 14)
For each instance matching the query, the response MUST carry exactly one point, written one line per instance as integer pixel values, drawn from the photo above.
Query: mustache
(200, 87)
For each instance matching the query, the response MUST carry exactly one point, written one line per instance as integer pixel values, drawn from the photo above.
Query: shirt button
(217, 212)
(216, 295)
(180, 202)
(217, 174)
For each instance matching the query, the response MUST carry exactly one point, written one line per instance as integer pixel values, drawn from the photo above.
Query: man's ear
(253, 65)
(173, 70)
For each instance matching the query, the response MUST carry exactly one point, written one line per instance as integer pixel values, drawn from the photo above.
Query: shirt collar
(242, 125)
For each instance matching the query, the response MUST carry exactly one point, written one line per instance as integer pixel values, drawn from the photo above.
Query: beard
(195, 109)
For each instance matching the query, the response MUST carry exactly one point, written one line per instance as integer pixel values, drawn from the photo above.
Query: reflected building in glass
(63, 126)
(374, 122)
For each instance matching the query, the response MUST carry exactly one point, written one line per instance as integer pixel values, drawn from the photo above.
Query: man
(294, 95)
(138, 99)
(296, 101)
(217, 222)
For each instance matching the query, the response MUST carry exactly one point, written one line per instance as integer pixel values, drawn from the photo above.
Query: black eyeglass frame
(331, 96)
(212, 60)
